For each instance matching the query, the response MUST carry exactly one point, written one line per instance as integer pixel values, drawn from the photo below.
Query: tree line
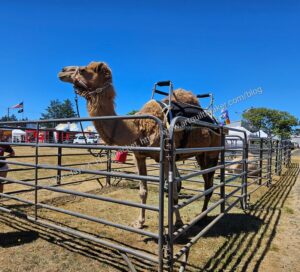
(271, 121)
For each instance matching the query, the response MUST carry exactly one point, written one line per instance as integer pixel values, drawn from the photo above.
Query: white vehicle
(80, 139)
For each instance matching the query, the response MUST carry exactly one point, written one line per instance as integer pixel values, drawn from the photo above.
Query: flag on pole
(18, 106)
(225, 116)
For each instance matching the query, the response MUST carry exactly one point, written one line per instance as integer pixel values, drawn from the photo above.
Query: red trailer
(45, 136)
(64, 136)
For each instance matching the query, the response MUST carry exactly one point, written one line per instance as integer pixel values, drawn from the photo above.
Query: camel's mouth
(65, 77)
(67, 74)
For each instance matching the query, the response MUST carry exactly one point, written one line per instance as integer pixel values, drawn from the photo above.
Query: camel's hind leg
(205, 161)
(142, 170)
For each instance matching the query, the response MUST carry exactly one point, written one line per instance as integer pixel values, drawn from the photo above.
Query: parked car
(80, 139)
(95, 137)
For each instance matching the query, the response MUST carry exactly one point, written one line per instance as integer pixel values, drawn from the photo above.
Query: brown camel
(94, 83)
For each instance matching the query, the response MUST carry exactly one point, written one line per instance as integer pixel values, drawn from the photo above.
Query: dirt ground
(265, 238)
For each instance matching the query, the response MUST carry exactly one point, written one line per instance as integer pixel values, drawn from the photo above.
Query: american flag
(18, 106)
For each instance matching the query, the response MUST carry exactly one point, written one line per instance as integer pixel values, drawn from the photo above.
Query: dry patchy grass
(238, 242)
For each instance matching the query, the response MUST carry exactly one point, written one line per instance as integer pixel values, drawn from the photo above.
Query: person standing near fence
(3, 166)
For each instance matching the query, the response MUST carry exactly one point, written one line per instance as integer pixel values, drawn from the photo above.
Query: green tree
(133, 112)
(57, 110)
(271, 121)
(10, 118)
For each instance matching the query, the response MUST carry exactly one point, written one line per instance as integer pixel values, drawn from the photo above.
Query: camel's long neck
(114, 132)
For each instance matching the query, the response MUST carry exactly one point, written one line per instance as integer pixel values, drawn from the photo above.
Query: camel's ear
(98, 66)
(102, 68)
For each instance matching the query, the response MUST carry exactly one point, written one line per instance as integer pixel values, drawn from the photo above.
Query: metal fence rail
(61, 169)
(252, 162)
(244, 166)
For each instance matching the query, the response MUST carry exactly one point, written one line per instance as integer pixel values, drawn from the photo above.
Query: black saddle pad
(194, 113)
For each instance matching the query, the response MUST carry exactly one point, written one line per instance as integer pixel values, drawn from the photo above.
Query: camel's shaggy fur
(144, 132)
(184, 96)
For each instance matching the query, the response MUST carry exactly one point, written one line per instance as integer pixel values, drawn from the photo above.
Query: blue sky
(224, 47)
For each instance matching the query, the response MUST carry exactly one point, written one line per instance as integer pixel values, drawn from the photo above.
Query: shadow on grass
(229, 225)
(249, 236)
(245, 250)
(74, 244)
(17, 238)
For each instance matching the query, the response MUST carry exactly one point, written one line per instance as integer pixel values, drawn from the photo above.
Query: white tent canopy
(239, 133)
(16, 132)
(232, 141)
(260, 134)
(18, 135)
(67, 127)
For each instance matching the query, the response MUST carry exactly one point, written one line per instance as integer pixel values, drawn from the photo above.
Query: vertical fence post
(284, 153)
(171, 214)
(280, 157)
(59, 157)
(276, 157)
(36, 172)
(261, 157)
(222, 171)
(270, 149)
(171, 178)
(161, 235)
(244, 200)
(289, 155)
(108, 166)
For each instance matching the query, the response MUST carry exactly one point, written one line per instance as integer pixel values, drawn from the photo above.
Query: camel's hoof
(138, 225)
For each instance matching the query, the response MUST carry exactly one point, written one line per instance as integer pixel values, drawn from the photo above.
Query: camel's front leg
(142, 170)
(178, 220)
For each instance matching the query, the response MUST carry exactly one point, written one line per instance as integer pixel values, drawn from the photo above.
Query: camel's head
(87, 79)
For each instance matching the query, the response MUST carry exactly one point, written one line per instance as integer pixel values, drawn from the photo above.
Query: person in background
(3, 166)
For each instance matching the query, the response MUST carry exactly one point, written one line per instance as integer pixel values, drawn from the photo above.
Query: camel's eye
(82, 71)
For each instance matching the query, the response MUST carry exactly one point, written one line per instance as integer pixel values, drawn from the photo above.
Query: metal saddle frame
(167, 110)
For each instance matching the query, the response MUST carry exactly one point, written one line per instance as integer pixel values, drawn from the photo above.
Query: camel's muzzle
(67, 74)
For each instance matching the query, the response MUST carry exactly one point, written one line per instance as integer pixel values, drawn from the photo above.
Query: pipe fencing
(244, 166)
